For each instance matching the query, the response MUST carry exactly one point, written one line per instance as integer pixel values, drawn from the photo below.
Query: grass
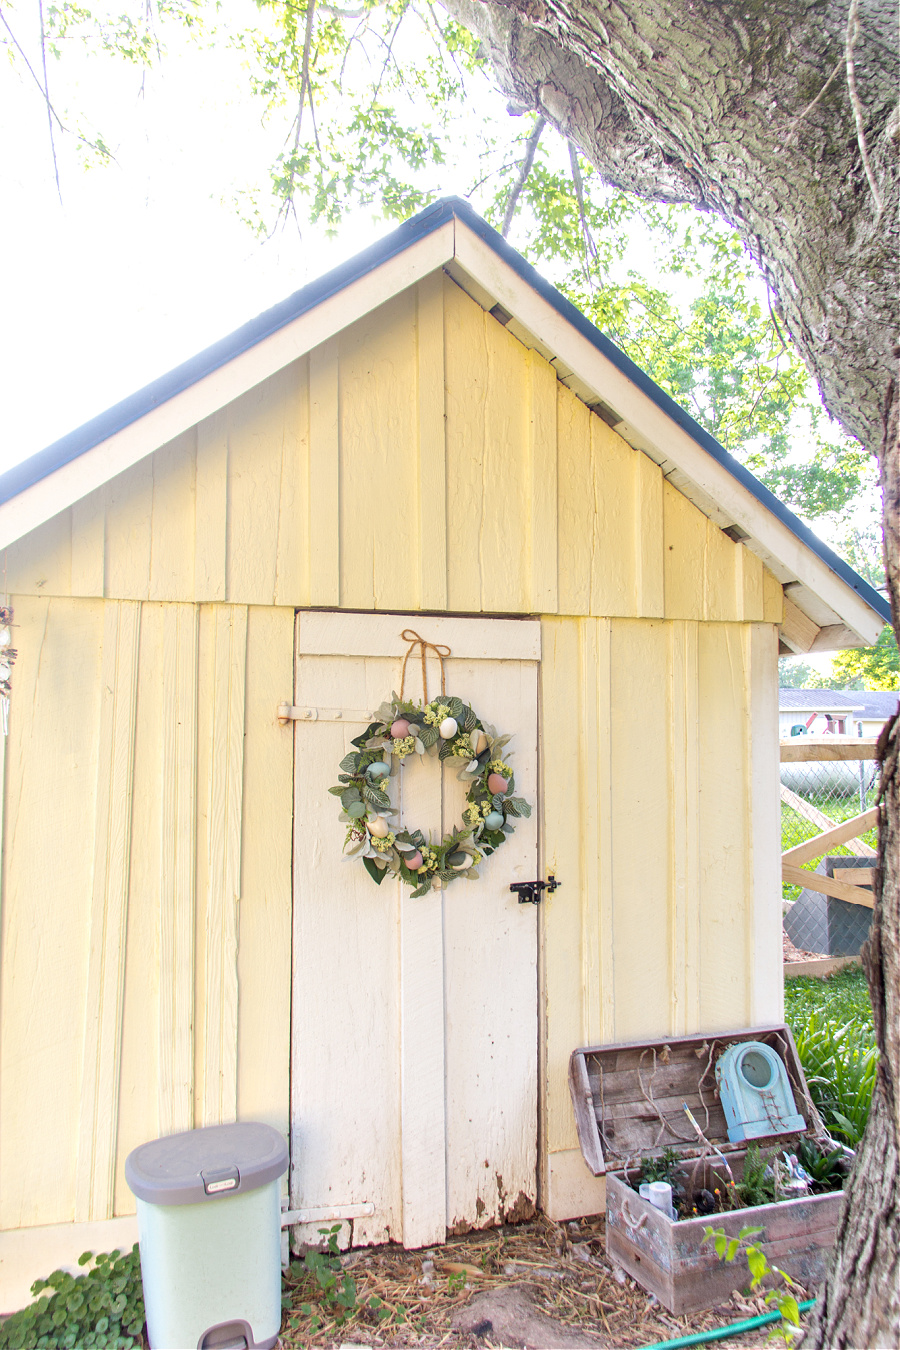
(831, 1021)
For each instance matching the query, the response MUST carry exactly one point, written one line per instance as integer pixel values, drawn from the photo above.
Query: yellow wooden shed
(432, 438)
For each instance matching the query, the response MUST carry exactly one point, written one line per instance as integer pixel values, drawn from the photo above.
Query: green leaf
(337, 791)
(350, 763)
(733, 1248)
(376, 797)
(749, 1231)
(376, 873)
(348, 796)
(356, 810)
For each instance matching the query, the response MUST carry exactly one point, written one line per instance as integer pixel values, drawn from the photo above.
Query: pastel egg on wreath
(400, 729)
(458, 860)
(413, 861)
(437, 884)
(379, 769)
(448, 728)
(5, 637)
(378, 827)
(478, 741)
(493, 820)
(496, 783)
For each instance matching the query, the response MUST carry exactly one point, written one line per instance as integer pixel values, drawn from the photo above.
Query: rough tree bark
(781, 117)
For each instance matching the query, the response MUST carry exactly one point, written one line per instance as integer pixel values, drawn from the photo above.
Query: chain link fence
(817, 795)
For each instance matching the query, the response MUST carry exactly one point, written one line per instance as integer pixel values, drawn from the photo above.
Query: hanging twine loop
(440, 651)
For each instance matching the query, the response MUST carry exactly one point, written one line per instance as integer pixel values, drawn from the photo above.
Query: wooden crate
(629, 1103)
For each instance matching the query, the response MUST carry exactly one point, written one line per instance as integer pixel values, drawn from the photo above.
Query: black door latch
(529, 892)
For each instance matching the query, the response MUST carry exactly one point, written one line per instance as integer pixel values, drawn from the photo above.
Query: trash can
(209, 1219)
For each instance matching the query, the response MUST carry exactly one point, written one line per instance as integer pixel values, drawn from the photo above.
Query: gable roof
(828, 605)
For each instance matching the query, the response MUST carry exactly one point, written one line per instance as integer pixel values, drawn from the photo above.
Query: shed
(429, 437)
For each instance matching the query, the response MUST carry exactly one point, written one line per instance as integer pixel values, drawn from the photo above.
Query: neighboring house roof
(827, 605)
(818, 700)
(878, 704)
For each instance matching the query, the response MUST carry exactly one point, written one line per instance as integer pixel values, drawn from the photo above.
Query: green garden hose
(723, 1333)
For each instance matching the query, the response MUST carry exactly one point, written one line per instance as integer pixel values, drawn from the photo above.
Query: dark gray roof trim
(98, 429)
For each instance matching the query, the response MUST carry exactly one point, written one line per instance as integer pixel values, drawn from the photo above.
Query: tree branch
(515, 191)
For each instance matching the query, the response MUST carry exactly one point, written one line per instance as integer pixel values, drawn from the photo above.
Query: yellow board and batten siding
(422, 460)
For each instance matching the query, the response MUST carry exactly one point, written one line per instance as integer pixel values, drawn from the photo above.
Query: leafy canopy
(382, 104)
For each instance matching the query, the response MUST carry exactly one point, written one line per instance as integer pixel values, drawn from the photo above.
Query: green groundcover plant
(832, 1025)
(103, 1308)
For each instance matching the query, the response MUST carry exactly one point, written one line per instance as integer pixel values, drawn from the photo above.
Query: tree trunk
(781, 117)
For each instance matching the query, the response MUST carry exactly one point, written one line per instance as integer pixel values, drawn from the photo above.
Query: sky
(142, 263)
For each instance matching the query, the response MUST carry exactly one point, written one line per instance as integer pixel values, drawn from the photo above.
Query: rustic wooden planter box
(629, 1103)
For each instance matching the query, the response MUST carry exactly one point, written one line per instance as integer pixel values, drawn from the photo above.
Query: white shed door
(414, 1036)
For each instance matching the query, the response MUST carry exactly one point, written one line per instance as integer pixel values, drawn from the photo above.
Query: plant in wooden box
(444, 728)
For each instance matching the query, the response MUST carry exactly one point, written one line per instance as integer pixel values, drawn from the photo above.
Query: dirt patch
(790, 953)
(556, 1274)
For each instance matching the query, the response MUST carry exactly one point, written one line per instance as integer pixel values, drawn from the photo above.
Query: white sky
(143, 263)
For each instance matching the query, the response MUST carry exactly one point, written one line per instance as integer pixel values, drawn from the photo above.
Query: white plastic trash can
(209, 1219)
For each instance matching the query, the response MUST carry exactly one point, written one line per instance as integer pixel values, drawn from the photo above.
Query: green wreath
(448, 729)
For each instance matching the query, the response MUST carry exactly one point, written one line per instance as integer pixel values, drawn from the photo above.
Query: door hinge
(529, 892)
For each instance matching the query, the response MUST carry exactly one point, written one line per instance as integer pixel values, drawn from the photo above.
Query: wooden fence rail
(800, 750)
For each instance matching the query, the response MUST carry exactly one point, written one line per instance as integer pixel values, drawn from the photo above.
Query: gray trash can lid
(206, 1164)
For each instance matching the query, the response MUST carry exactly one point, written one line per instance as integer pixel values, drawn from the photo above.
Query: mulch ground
(561, 1270)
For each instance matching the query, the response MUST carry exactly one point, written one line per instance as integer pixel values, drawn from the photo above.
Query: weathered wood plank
(223, 795)
(89, 544)
(466, 358)
(575, 506)
(684, 556)
(128, 538)
(798, 630)
(95, 1185)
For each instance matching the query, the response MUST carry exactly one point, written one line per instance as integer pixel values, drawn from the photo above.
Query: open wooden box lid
(629, 1099)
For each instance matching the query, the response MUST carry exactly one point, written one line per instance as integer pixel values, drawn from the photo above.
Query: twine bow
(440, 651)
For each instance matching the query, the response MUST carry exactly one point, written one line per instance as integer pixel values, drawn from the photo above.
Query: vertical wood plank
(89, 544)
(172, 529)
(505, 533)
(639, 779)
(224, 800)
(466, 358)
(562, 790)
(767, 981)
(751, 584)
(649, 546)
(40, 563)
(576, 540)
(292, 557)
(264, 954)
(95, 1183)
(51, 779)
(773, 598)
(177, 844)
(128, 514)
(595, 745)
(684, 895)
(684, 556)
(613, 521)
(211, 507)
(724, 828)
(542, 453)
(259, 432)
(324, 475)
(432, 442)
(724, 580)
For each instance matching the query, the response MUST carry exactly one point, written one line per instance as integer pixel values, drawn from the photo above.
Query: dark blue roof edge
(106, 424)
